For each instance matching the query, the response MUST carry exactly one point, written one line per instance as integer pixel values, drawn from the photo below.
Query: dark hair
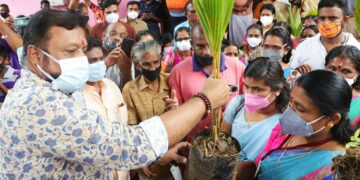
(81, 6)
(255, 26)
(269, 7)
(93, 43)
(356, 84)
(3, 51)
(345, 51)
(44, 2)
(342, 4)
(37, 31)
(330, 94)
(284, 25)
(145, 33)
(285, 37)
(5, 6)
(312, 27)
(187, 4)
(166, 38)
(183, 28)
(107, 3)
(312, 17)
(273, 76)
(226, 43)
(132, 3)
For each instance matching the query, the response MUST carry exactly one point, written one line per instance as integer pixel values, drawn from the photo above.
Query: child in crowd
(8, 75)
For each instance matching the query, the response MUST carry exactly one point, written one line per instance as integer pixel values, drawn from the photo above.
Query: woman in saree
(313, 130)
(345, 61)
(251, 117)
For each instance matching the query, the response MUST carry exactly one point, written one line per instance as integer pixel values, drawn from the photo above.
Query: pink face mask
(254, 102)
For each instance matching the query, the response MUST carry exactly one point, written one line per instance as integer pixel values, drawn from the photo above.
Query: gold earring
(330, 125)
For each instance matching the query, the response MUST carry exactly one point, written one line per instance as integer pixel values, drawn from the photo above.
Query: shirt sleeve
(296, 58)
(132, 117)
(77, 134)
(231, 109)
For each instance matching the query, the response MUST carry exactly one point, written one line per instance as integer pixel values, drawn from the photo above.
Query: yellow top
(142, 102)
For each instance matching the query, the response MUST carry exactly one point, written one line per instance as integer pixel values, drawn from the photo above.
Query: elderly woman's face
(343, 66)
(150, 61)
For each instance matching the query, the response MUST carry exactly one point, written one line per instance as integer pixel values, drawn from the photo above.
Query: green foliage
(355, 140)
(214, 16)
(357, 16)
(293, 20)
(313, 13)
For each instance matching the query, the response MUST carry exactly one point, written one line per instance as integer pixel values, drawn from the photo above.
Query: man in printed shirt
(46, 134)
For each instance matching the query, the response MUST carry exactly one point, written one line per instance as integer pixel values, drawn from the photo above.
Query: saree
(354, 108)
(252, 137)
(295, 163)
(298, 164)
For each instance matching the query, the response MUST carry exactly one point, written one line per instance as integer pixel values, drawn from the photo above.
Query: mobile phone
(127, 45)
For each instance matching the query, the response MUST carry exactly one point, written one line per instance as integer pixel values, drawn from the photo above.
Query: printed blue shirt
(45, 134)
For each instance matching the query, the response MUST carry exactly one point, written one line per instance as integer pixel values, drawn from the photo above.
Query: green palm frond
(293, 20)
(357, 16)
(313, 13)
(214, 16)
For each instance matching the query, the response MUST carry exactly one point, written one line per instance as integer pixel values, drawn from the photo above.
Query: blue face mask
(292, 123)
(74, 73)
(272, 54)
(97, 71)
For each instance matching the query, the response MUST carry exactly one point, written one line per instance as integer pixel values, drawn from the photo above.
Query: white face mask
(253, 42)
(74, 73)
(112, 18)
(133, 15)
(97, 71)
(351, 81)
(184, 45)
(266, 20)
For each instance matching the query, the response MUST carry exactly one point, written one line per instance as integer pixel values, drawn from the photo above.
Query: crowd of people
(123, 98)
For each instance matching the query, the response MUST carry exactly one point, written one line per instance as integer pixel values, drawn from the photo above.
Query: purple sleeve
(14, 60)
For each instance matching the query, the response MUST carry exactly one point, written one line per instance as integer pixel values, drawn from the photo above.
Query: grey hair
(143, 47)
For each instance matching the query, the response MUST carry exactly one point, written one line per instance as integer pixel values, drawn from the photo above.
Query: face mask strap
(318, 130)
(316, 120)
(45, 73)
(48, 55)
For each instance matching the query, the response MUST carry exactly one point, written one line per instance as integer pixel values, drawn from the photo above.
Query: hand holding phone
(127, 45)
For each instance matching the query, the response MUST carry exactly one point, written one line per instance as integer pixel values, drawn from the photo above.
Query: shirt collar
(197, 66)
(163, 83)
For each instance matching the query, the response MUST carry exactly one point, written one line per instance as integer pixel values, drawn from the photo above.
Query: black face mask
(4, 15)
(151, 75)
(86, 19)
(205, 60)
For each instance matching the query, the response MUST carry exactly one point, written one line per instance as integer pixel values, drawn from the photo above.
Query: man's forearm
(12, 38)
(178, 122)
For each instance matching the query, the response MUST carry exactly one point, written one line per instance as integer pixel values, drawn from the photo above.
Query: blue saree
(298, 164)
(252, 139)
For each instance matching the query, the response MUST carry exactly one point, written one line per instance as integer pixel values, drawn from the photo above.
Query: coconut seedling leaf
(214, 16)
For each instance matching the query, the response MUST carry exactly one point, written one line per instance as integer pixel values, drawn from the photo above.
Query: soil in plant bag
(213, 160)
(347, 167)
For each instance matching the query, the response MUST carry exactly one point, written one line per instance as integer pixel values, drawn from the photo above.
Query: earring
(330, 125)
